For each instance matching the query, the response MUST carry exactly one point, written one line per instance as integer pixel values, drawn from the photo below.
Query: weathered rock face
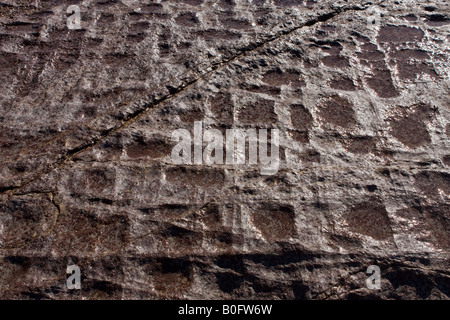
(359, 91)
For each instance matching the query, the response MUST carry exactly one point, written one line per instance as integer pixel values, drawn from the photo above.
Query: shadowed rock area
(359, 91)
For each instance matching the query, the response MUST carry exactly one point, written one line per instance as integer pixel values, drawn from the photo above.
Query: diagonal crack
(146, 106)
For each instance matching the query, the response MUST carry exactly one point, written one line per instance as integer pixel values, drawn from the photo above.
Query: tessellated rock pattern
(359, 91)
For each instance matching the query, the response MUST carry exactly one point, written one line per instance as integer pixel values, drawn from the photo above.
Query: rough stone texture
(86, 117)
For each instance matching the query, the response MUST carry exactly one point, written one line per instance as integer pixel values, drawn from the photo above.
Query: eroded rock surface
(358, 89)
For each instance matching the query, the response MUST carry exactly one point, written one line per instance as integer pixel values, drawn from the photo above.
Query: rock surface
(358, 89)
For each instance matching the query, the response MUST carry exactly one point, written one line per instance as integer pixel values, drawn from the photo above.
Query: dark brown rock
(87, 179)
